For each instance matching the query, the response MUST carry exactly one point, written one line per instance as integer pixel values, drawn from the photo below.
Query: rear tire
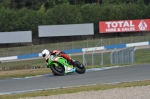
(57, 70)
(80, 68)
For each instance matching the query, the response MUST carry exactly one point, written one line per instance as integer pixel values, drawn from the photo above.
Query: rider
(46, 54)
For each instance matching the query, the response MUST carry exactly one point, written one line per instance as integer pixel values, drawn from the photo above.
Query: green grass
(142, 56)
(36, 62)
(75, 89)
(23, 73)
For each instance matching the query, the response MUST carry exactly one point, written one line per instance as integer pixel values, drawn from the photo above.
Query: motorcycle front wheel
(57, 70)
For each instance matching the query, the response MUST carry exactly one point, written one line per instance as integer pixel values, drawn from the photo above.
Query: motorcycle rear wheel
(80, 68)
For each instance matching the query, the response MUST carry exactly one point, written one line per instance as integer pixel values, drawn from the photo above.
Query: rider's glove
(72, 60)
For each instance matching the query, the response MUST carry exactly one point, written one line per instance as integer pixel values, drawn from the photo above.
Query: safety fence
(124, 56)
(96, 57)
(86, 43)
(103, 55)
(107, 57)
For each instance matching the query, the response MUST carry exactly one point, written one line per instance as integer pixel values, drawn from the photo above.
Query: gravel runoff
(140, 92)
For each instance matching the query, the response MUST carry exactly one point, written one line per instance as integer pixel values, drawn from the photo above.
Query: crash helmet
(45, 53)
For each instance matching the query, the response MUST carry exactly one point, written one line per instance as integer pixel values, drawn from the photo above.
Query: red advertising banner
(124, 26)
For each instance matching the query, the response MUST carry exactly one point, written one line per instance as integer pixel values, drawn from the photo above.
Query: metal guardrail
(124, 56)
(102, 57)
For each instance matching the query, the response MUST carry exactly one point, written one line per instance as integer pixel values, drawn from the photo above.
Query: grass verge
(23, 73)
(75, 89)
(28, 72)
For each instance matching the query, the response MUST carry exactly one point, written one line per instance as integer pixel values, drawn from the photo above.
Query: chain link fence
(14, 51)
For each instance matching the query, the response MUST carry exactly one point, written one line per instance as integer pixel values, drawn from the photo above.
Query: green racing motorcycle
(60, 66)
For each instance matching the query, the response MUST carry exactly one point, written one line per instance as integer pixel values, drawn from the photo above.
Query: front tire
(57, 70)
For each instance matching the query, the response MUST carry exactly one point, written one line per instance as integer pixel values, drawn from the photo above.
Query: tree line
(35, 4)
(23, 15)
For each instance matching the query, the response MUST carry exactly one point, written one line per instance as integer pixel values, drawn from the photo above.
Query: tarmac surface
(93, 76)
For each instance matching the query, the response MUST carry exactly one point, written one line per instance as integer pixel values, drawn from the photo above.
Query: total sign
(124, 26)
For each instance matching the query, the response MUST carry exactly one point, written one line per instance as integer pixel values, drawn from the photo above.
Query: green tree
(42, 9)
(5, 3)
(91, 13)
(76, 2)
(49, 4)
(7, 19)
(64, 14)
(147, 15)
(141, 8)
(29, 20)
(130, 11)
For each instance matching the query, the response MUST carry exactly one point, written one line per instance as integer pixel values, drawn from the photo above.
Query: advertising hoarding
(66, 30)
(15, 37)
(124, 26)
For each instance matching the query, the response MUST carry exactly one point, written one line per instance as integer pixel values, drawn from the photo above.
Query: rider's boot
(74, 69)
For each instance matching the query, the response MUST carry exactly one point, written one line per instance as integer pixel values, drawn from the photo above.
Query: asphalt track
(93, 76)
